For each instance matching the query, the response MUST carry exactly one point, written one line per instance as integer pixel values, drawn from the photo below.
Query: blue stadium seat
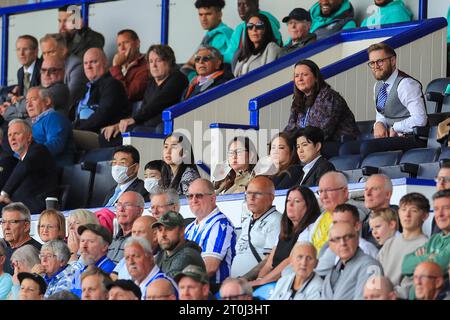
(103, 183)
(393, 172)
(347, 162)
(265, 291)
(390, 144)
(420, 155)
(365, 129)
(381, 159)
(330, 149)
(428, 170)
(353, 176)
(97, 155)
(436, 100)
(350, 147)
(432, 141)
(445, 153)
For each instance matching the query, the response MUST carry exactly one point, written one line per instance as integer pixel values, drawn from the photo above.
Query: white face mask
(150, 184)
(119, 174)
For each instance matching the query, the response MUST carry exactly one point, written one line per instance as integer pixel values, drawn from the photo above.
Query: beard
(170, 245)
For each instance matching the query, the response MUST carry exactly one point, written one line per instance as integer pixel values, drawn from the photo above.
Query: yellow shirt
(320, 235)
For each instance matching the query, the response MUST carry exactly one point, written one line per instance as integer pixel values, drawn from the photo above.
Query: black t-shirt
(283, 250)
(7, 267)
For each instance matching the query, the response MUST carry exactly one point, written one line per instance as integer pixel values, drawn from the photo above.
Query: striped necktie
(382, 97)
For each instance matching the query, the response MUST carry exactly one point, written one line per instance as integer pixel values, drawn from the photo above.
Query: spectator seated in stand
(179, 156)
(331, 16)
(386, 11)
(313, 165)
(379, 288)
(51, 225)
(217, 34)
(129, 65)
(384, 225)
(164, 89)
(242, 157)
(299, 24)
(79, 38)
(316, 104)
(259, 46)
(7, 162)
(156, 176)
(210, 71)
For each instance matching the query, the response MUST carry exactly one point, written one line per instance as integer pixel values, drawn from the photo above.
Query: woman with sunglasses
(210, 71)
(316, 104)
(259, 47)
(301, 210)
(242, 158)
(179, 156)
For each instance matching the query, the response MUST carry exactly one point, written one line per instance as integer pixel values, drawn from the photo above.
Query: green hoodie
(239, 31)
(219, 37)
(342, 19)
(393, 12)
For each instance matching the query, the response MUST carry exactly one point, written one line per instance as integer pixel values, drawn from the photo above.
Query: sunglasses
(203, 58)
(258, 26)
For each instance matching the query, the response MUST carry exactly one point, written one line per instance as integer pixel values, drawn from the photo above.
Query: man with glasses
(442, 182)
(260, 231)
(16, 223)
(164, 200)
(210, 71)
(399, 100)
(212, 231)
(50, 128)
(437, 249)
(429, 281)
(129, 207)
(346, 280)
(54, 267)
(124, 170)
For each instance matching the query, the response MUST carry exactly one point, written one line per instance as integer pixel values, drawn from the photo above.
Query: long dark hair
(228, 181)
(186, 151)
(291, 143)
(300, 102)
(287, 231)
(248, 48)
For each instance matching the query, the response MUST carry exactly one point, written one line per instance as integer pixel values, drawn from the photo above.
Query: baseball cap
(194, 272)
(98, 230)
(36, 278)
(170, 219)
(299, 14)
(127, 285)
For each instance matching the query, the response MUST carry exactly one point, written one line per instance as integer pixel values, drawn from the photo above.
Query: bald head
(95, 63)
(142, 227)
(428, 280)
(379, 288)
(259, 195)
(160, 289)
(377, 192)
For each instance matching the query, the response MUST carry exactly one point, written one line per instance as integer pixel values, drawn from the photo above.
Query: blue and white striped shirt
(154, 274)
(62, 280)
(215, 235)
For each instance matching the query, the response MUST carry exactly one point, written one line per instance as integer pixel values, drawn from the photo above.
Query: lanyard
(305, 119)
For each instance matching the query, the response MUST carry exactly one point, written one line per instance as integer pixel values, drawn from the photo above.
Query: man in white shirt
(398, 96)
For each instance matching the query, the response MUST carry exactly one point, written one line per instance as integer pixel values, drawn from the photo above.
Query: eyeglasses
(237, 152)
(423, 277)
(258, 26)
(160, 206)
(320, 191)
(48, 226)
(48, 256)
(50, 70)
(378, 62)
(125, 205)
(344, 237)
(250, 194)
(12, 221)
(236, 297)
(199, 195)
(442, 179)
(197, 58)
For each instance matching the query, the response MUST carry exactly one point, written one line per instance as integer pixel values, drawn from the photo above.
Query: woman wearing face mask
(179, 157)
(156, 174)
(242, 158)
(124, 170)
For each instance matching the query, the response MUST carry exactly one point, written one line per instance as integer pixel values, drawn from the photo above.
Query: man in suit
(79, 37)
(346, 280)
(124, 170)
(28, 75)
(54, 44)
(34, 178)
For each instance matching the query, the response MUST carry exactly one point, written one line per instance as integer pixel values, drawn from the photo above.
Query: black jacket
(109, 101)
(35, 79)
(294, 174)
(34, 178)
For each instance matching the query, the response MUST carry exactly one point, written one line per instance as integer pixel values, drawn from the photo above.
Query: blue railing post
(85, 13)
(4, 62)
(165, 21)
(423, 9)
